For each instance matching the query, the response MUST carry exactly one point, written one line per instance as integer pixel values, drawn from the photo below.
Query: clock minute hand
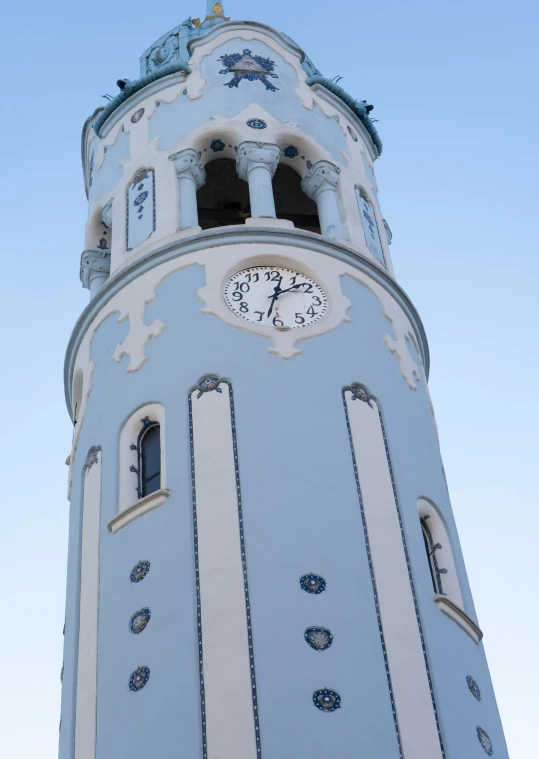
(277, 291)
(289, 290)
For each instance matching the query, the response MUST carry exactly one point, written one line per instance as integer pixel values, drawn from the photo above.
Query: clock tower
(263, 559)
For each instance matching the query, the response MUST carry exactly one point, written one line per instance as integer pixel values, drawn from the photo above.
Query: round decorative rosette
(326, 700)
(485, 741)
(474, 688)
(319, 638)
(139, 572)
(313, 584)
(139, 678)
(290, 151)
(256, 124)
(139, 621)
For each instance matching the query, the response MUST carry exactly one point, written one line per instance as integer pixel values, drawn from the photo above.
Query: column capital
(252, 155)
(322, 176)
(94, 263)
(187, 163)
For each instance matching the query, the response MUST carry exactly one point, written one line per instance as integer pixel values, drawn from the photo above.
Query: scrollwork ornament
(208, 385)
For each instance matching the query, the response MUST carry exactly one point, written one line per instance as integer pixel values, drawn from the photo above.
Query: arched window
(148, 450)
(431, 548)
(291, 202)
(224, 198)
(440, 557)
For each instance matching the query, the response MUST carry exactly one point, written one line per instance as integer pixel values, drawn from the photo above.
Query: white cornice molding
(138, 509)
(233, 236)
(459, 616)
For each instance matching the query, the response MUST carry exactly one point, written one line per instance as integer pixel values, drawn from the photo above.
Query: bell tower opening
(291, 202)
(224, 198)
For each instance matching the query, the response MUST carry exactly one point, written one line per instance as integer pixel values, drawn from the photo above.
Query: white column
(229, 717)
(257, 163)
(406, 660)
(191, 177)
(94, 270)
(86, 704)
(321, 184)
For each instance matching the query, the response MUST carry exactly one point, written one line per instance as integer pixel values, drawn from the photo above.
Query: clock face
(275, 297)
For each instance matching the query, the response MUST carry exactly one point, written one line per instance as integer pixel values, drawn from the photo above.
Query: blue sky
(454, 86)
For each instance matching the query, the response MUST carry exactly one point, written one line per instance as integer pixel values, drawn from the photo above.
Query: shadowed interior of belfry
(224, 198)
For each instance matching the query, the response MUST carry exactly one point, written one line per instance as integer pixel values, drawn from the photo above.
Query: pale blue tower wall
(301, 515)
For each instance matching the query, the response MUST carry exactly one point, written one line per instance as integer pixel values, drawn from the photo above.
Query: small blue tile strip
(211, 384)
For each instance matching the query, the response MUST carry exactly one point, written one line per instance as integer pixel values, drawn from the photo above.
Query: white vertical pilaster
(191, 177)
(86, 708)
(227, 655)
(257, 163)
(321, 184)
(411, 692)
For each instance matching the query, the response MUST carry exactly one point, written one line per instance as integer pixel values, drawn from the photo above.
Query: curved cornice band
(235, 236)
(355, 105)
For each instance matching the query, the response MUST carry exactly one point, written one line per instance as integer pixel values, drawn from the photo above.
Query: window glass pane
(151, 460)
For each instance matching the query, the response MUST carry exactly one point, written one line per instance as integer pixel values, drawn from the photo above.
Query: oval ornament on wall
(319, 638)
(139, 621)
(313, 584)
(485, 741)
(474, 688)
(326, 700)
(139, 679)
(140, 571)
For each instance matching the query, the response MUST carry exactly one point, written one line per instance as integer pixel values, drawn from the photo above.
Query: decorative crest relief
(313, 584)
(250, 67)
(326, 700)
(139, 678)
(360, 394)
(257, 124)
(319, 638)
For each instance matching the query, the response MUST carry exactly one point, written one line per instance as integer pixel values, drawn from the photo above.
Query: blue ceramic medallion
(326, 700)
(139, 678)
(474, 688)
(313, 584)
(319, 638)
(257, 124)
(485, 741)
(140, 571)
(139, 621)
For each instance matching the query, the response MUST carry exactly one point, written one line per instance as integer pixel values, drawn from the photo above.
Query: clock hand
(293, 289)
(274, 297)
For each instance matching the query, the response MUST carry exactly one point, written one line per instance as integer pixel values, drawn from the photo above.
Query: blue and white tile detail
(257, 124)
(139, 679)
(249, 67)
(473, 688)
(139, 572)
(139, 621)
(326, 700)
(370, 226)
(140, 210)
(319, 638)
(485, 741)
(313, 584)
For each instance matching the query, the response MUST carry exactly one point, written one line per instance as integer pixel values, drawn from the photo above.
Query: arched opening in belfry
(224, 198)
(291, 202)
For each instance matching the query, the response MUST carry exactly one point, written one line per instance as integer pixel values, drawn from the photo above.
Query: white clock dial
(276, 297)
